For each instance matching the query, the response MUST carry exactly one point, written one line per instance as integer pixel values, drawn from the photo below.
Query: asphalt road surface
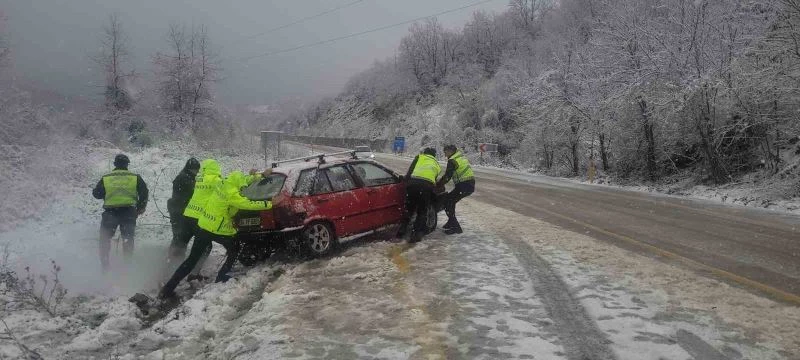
(756, 249)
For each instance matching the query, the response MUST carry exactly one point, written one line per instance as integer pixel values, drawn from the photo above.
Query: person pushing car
(420, 182)
(216, 225)
(207, 181)
(124, 196)
(182, 226)
(460, 172)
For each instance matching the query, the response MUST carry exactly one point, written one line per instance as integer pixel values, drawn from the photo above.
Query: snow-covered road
(510, 287)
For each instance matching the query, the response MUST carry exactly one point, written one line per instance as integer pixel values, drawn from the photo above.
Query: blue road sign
(399, 144)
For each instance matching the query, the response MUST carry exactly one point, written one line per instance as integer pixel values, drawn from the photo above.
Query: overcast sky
(51, 39)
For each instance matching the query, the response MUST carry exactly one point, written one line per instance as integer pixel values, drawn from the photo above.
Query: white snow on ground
(642, 303)
(765, 194)
(438, 299)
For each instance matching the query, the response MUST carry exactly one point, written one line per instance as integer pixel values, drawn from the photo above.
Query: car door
(385, 192)
(334, 196)
(348, 201)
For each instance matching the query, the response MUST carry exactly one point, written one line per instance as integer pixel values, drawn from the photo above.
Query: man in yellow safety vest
(204, 185)
(215, 225)
(420, 181)
(124, 196)
(460, 171)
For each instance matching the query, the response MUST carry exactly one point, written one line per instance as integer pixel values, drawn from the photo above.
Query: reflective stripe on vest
(120, 186)
(427, 168)
(464, 170)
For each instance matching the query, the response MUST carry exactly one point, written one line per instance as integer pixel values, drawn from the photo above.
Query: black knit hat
(192, 164)
(121, 161)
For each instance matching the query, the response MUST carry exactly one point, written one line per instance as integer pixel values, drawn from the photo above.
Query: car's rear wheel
(318, 239)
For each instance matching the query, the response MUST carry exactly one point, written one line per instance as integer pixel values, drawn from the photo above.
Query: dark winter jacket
(99, 191)
(182, 190)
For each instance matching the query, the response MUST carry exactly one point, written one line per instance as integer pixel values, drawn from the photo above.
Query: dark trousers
(183, 230)
(202, 240)
(460, 191)
(418, 199)
(125, 220)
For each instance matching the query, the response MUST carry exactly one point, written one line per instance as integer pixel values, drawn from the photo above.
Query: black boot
(166, 295)
(403, 229)
(455, 229)
(448, 224)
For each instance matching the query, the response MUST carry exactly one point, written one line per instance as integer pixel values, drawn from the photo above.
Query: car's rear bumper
(269, 235)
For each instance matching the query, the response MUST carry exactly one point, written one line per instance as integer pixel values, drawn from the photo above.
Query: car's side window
(341, 180)
(372, 175)
(306, 184)
(322, 186)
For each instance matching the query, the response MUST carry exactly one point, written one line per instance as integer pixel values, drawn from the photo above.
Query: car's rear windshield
(265, 189)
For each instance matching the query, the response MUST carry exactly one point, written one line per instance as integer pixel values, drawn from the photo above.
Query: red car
(317, 204)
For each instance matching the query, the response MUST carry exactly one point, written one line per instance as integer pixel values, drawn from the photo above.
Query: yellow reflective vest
(463, 170)
(427, 168)
(120, 187)
(225, 202)
(208, 180)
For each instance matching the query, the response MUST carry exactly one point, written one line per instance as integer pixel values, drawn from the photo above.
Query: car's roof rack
(320, 158)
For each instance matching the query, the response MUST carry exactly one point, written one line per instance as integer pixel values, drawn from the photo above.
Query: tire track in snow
(582, 339)
(499, 314)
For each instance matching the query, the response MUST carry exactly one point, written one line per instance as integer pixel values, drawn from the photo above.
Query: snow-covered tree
(428, 51)
(5, 50)
(113, 58)
(186, 75)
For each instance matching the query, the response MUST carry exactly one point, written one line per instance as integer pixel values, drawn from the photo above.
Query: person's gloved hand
(139, 212)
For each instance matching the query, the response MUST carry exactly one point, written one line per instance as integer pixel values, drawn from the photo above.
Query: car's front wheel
(432, 219)
(318, 239)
